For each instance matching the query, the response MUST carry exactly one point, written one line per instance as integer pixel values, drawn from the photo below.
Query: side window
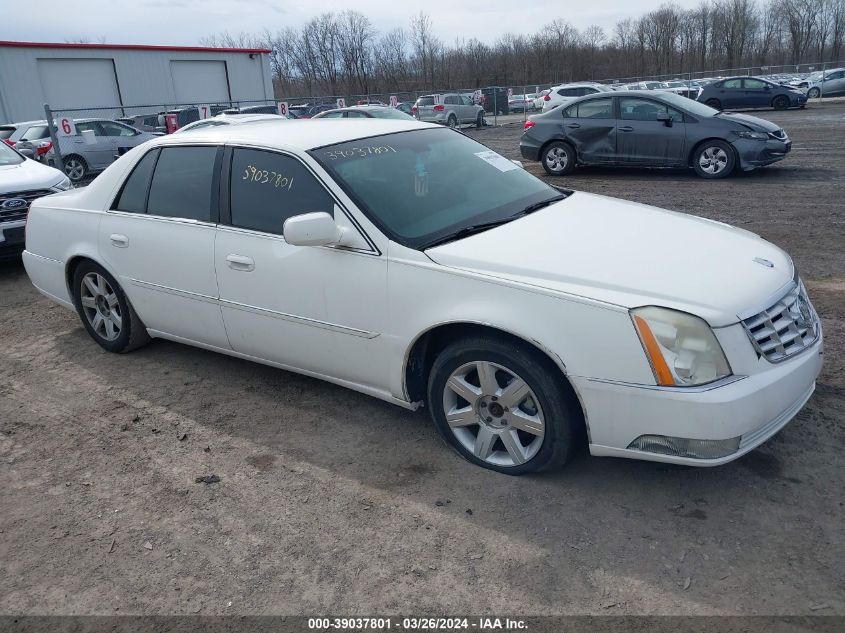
(334, 115)
(181, 186)
(133, 196)
(632, 109)
(354, 114)
(596, 109)
(571, 112)
(85, 126)
(732, 83)
(466, 101)
(268, 188)
(755, 84)
(115, 129)
(568, 92)
(589, 91)
(36, 133)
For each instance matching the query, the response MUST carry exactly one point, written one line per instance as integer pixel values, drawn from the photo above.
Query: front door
(317, 309)
(591, 128)
(758, 93)
(643, 139)
(159, 238)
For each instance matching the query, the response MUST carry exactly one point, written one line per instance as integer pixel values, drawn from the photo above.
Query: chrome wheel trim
(100, 306)
(493, 413)
(452, 122)
(74, 169)
(713, 160)
(814, 93)
(557, 159)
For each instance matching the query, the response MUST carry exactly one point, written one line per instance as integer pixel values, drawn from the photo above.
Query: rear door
(643, 140)
(591, 127)
(98, 153)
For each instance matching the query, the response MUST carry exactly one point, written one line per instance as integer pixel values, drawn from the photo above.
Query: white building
(119, 79)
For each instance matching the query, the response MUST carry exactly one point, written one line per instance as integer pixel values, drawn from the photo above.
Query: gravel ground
(332, 502)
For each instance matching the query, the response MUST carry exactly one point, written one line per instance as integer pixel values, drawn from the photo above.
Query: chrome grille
(786, 328)
(19, 213)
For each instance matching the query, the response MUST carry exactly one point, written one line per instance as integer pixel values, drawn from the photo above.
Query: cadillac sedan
(411, 263)
(651, 129)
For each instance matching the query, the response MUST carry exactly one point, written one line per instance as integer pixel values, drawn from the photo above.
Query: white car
(564, 94)
(228, 119)
(411, 263)
(22, 180)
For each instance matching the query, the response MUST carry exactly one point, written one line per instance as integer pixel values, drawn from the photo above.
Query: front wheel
(479, 120)
(558, 159)
(780, 102)
(501, 406)
(105, 311)
(814, 93)
(714, 159)
(714, 103)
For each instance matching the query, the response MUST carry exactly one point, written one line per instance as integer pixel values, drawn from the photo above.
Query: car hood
(751, 122)
(630, 255)
(27, 176)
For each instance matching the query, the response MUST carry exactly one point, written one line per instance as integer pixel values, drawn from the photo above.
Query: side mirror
(28, 152)
(311, 229)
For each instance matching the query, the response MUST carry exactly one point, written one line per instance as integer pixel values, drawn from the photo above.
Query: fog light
(685, 447)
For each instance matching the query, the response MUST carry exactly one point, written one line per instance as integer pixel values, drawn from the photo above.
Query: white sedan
(411, 263)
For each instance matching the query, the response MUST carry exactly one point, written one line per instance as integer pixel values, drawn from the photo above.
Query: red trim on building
(133, 47)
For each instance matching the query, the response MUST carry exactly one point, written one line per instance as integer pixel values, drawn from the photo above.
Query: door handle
(573, 125)
(241, 263)
(121, 241)
(626, 128)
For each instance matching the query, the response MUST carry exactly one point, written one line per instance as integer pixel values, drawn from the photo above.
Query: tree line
(344, 54)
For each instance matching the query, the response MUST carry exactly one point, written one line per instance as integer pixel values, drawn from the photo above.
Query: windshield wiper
(478, 228)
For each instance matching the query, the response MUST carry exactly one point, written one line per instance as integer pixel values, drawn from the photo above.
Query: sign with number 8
(282, 107)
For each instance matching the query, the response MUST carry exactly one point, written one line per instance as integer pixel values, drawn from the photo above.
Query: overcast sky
(184, 22)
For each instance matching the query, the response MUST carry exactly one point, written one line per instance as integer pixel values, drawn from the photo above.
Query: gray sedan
(650, 129)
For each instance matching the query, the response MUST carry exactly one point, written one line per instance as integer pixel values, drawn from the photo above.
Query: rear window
(133, 198)
(181, 186)
(425, 101)
(6, 132)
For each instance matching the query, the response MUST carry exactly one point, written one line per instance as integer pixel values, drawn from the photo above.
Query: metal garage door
(200, 81)
(78, 83)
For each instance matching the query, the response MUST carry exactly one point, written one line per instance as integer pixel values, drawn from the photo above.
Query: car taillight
(547, 98)
(528, 125)
(8, 142)
(439, 108)
(43, 148)
(414, 109)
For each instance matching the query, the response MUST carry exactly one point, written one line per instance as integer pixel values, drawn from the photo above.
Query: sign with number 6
(282, 108)
(66, 127)
(341, 103)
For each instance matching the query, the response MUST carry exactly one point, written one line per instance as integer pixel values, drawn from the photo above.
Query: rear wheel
(814, 93)
(781, 102)
(714, 103)
(479, 120)
(714, 159)
(558, 159)
(75, 167)
(105, 311)
(501, 406)
(452, 122)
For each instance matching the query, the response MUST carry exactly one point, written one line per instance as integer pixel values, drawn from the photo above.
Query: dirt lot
(331, 502)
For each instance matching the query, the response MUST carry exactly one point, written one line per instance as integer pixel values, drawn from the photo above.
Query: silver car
(96, 145)
(453, 110)
(830, 83)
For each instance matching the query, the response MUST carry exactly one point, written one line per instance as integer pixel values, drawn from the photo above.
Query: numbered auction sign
(476, 96)
(341, 103)
(510, 92)
(66, 127)
(205, 110)
(394, 101)
(171, 122)
(282, 107)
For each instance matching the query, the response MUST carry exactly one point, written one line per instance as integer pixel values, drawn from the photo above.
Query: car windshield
(388, 113)
(603, 88)
(693, 107)
(424, 186)
(815, 76)
(8, 156)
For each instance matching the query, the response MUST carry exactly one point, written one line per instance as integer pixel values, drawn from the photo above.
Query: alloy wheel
(557, 159)
(74, 169)
(493, 413)
(713, 160)
(101, 306)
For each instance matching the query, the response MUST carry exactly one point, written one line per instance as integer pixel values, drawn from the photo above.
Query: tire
(714, 103)
(714, 159)
(452, 121)
(96, 294)
(814, 93)
(75, 167)
(479, 120)
(558, 158)
(502, 443)
(781, 102)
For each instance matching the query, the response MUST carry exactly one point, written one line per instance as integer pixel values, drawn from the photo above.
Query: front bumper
(752, 408)
(12, 238)
(753, 153)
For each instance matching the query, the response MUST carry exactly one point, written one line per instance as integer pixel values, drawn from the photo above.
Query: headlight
(682, 349)
(64, 185)
(757, 136)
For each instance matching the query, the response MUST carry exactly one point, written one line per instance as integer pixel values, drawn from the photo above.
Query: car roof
(296, 135)
(23, 123)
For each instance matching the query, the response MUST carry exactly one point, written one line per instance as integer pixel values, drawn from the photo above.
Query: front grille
(19, 213)
(786, 328)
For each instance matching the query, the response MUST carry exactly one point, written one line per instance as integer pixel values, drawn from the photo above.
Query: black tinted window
(133, 197)
(182, 183)
(268, 188)
(425, 101)
(36, 133)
